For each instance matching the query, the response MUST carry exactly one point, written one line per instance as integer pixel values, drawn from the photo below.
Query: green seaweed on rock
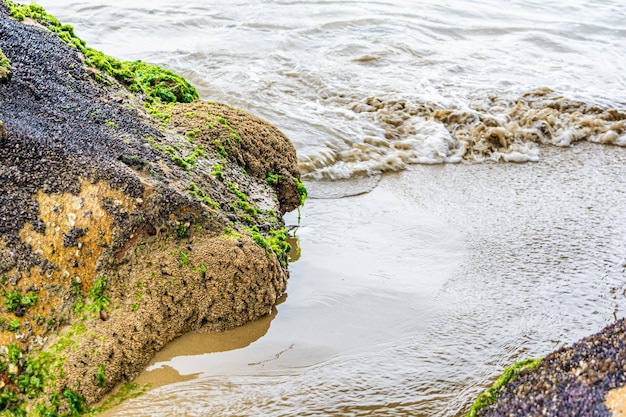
(491, 394)
(156, 83)
(216, 171)
(199, 194)
(127, 391)
(272, 179)
(276, 241)
(15, 299)
(30, 377)
(4, 61)
(302, 191)
(5, 67)
(101, 375)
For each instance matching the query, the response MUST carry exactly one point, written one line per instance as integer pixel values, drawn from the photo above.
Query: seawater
(429, 258)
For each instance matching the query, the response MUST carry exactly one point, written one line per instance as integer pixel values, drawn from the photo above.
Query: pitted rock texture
(93, 189)
(573, 381)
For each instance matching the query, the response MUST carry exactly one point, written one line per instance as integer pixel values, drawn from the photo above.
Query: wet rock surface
(572, 381)
(121, 230)
(59, 125)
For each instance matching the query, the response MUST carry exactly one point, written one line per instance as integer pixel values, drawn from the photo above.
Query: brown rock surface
(616, 401)
(128, 230)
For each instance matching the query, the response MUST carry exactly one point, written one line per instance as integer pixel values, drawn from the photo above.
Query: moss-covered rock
(127, 216)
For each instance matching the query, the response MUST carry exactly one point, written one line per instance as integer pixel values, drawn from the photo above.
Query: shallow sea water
(418, 279)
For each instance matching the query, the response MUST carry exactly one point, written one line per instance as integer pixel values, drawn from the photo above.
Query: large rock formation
(126, 217)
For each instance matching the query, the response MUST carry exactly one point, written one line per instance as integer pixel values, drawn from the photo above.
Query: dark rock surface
(572, 381)
(59, 125)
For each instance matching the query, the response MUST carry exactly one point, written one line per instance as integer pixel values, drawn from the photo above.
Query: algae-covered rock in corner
(126, 217)
(583, 379)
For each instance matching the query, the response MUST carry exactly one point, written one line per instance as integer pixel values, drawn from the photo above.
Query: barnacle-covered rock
(127, 218)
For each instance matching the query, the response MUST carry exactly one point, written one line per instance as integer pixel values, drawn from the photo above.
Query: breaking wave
(396, 132)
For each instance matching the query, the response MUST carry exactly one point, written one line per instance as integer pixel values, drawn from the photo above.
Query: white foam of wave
(390, 133)
(427, 142)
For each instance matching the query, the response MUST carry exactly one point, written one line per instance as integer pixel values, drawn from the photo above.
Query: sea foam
(396, 132)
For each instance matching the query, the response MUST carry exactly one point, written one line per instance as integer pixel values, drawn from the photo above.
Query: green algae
(162, 111)
(276, 241)
(302, 191)
(101, 375)
(14, 299)
(491, 394)
(199, 194)
(155, 83)
(216, 171)
(303, 196)
(230, 233)
(14, 325)
(127, 391)
(29, 377)
(5, 67)
(188, 162)
(38, 377)
(242, 200)
(272, 179)
(220, 148)
(98, 300)
(4, 61)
